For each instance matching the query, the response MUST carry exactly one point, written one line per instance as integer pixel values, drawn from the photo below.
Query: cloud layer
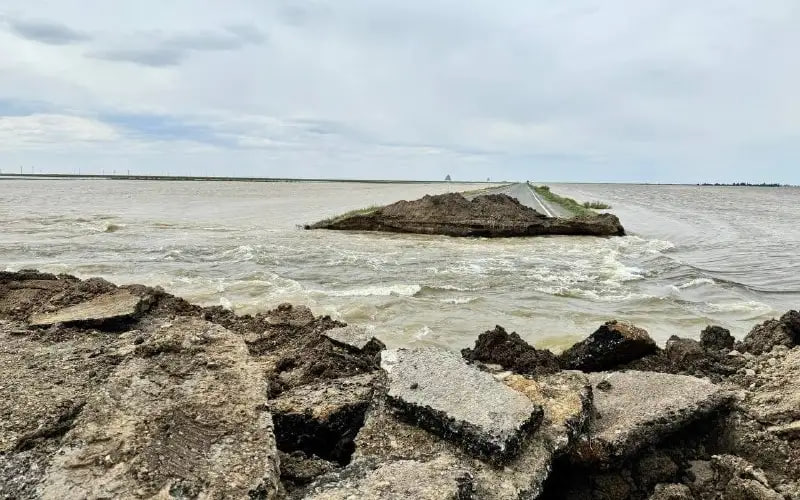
(597, 91)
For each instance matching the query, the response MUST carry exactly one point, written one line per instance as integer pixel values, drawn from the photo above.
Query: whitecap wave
(403, 290)
(697, 282)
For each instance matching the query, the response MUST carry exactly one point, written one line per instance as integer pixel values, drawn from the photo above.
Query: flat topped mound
(491, 215)
(454, 207)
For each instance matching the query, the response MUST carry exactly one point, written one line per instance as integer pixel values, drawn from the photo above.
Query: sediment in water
(138, 393)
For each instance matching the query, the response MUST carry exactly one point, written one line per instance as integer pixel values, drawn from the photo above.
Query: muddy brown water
(694, 256)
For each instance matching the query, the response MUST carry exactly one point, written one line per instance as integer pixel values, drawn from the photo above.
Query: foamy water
(695, 256)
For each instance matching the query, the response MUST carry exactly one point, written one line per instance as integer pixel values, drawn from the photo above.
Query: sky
(596, 91)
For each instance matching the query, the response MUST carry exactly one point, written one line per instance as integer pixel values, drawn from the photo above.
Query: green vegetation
(597, 205)
(567, 203)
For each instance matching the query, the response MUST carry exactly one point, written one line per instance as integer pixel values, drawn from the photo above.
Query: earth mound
(490, 215)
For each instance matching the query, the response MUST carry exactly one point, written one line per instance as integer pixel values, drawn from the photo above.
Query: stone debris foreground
(440, 392)
(492, 215)
(180, 401)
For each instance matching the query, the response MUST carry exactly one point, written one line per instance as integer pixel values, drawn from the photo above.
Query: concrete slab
(111, 306)
(438, 391)
(636, 409)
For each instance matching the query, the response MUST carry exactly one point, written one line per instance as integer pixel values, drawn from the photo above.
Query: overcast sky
(611, 90)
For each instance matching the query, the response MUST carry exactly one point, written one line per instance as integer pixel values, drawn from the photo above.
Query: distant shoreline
(201, 178)
(118, 177)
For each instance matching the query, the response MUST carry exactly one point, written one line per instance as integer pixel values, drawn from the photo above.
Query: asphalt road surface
(527, 196)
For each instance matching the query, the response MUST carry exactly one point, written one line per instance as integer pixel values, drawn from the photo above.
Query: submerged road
(527, 196)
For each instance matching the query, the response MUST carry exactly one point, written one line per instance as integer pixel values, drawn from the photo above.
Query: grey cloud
(44, 32)
(157, 57)
(172, 50)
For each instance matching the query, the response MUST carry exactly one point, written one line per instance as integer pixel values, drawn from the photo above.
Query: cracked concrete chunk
(566, 398)
(164, 423)
(119, 304)
(438, 391)
(641, 408)
(356, 338)
(439, 479)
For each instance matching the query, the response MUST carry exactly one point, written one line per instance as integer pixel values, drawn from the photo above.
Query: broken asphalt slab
(437, 390)
(635, 409)
(117, 305)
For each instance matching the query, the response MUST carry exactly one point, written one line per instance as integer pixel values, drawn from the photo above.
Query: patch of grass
(567, 203)
(596, 205)
(358, 211)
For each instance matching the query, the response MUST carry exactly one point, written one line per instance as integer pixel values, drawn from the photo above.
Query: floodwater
(694, 256)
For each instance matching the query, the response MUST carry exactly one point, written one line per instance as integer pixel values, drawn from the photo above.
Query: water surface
(695, 255)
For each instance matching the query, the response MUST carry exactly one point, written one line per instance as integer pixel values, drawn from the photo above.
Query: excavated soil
(491, 215)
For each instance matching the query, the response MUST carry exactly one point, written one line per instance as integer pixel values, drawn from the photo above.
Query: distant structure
(448, 178)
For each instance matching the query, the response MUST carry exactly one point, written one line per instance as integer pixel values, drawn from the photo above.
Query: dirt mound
(491, 215)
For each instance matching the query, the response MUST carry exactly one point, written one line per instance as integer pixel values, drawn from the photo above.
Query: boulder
(512, 353)
(288, 314)
(356, 338)
(685, 352)
(438, 391)
(322, 418)
(716, 338)
(183, 414)
(115, 306)
(566, 398)
(775, 398)
(737, 479)
(439, 479)
(613, 344)
(639, 409)
(775, 332)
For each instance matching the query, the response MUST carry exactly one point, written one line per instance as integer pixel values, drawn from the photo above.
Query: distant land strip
(124, 177)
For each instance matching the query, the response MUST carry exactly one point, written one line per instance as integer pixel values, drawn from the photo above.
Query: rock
(299, 469)
(790, 430)
(777, 398)
(164, 424)
(684, 352)
(438, 479)
(716, 338)
(356, 338)
(322, 418)
(656, 468)
(440, 392)
(640, 409)
(672, 492)
(493, 215)
(566, 398)
(512, 353)
(740, 480)
(784, 331)
(288, 314)
(111, 307)
(611, 345)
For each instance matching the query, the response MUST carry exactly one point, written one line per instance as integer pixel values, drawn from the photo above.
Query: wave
(697, 282)
(401, 290)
